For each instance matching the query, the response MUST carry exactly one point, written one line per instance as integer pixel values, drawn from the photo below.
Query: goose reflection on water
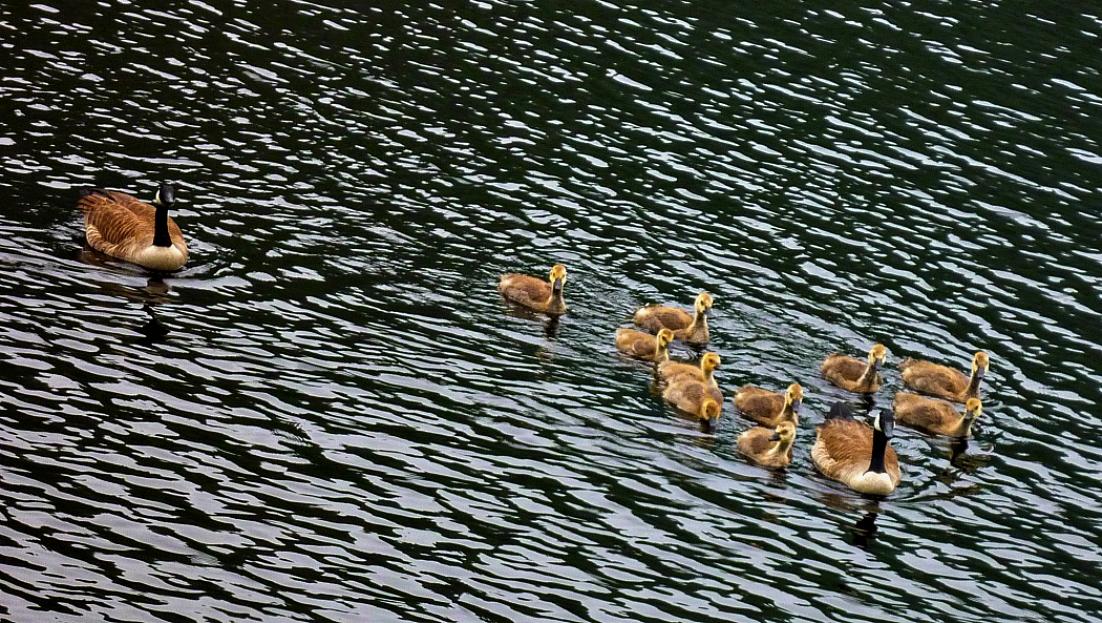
(154, 293)
(862, 532)
(550, 323)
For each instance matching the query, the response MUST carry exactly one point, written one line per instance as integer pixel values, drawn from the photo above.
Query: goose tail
(840, 411)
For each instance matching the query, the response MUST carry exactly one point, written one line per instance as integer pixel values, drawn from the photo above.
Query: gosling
(943, 381)
(646, 346)
(691, 328)
(536, 294)
(768, 448)
(852, 374)
(936, 416)
(770, 408)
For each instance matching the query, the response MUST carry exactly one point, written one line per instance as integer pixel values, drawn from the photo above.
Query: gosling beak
(980, 372)
(708, 426)
(775, 436)
(796, 405)
(876, 363)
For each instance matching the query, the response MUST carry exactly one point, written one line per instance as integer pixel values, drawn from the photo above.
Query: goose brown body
(770, 408)
(534, 293)
(844, 451)
(124, 227)
(690, 327)
(854, 375)
(670, 370)
(943, 381)
(641, 345)
(768, 447)
(935, 416)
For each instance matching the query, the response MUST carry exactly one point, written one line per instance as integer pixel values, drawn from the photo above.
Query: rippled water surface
(331, 415)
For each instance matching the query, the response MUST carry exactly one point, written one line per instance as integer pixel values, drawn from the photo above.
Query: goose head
(784, 433)
(166, 196)
(980, 361)
(663, 340)
(709, 363)
(794, 397)
(877, 354)
(884, 423)
(703, 303)
(557, 277)
(973, 409)
(709, 414)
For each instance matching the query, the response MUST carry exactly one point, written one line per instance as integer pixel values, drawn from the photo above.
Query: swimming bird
(129, 229)
(768, 447)
(537, 294)
(853, 453)
(852, 374)
(936, 416)
(943, 381)
(770, 408)
(708, 414)
(689, 394)
(691, 328)
(642, 345)
(669, 370)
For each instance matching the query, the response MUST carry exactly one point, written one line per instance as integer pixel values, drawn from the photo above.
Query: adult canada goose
(129, 229)
(768, 447)
(669, 370)
(943, 381)
(537, 294)
(689, 394)
(936, 416)
(855, 375)
(770, 408)
(644, 345)
(691, 328)
(853, 453)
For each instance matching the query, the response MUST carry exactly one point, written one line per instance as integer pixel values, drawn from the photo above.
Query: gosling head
(166, 196)
(784, 433)
(980, 361)
(558, 277)
(877, 354)
(703, 303)
(709, 362)
(709, 414)
(664, 337)
(884, 422)
(794, 396)
(973, 409)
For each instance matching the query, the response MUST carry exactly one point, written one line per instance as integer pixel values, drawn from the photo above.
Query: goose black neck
(879, 447)
(160, 228)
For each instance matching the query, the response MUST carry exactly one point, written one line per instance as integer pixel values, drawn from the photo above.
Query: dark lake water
(330, 415)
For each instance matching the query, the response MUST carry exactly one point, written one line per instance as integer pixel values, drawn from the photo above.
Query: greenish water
(331, 415)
